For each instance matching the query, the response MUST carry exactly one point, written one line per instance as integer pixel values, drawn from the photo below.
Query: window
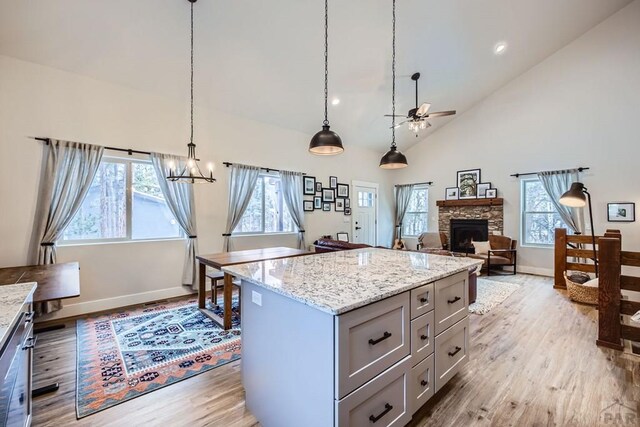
(539, 216)
(267, 211)
(417, 215)
(123, 203)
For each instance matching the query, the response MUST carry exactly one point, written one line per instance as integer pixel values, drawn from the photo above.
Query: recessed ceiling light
(335, 101)
(500, 48)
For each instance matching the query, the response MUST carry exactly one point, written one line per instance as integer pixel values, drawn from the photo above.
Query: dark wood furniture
(55, 281)
(330, 245)
(498, 201)
(503, 253)
(611, 304)
(224, 259)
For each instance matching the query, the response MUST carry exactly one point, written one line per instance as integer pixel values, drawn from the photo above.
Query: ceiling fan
(418, 117)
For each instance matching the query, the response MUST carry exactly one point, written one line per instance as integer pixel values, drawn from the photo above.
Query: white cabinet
(452, 352)
(452, 300)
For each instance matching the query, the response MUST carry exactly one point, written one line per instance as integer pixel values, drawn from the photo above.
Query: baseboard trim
(548, 272)
(95, 306)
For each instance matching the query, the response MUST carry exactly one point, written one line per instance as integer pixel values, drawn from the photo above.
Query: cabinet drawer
(421, 300)
(422, 335)
(421, 385)
(452, 352)
(452, 300)
(369, 340)
(382, 401)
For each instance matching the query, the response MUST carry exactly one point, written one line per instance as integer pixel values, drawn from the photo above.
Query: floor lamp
(577, 197)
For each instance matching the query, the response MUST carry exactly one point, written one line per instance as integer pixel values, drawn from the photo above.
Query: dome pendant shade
(575, 197)
(393, 159)
(326, 142)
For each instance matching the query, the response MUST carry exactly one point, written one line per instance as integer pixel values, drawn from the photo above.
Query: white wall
(41, 101)
(579, 107)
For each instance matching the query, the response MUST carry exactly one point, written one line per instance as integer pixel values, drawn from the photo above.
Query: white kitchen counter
(338, 282)
(12, 298)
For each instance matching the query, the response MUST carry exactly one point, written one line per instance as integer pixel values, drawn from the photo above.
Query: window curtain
(403, 196)
(292, 193)
(181, 203)
(68, 169)
(556, 183)
(241, 185)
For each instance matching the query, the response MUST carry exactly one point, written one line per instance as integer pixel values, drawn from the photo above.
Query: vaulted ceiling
(264, 60)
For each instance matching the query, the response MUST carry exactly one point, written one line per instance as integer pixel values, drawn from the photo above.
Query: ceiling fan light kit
(326, 142)
(393, 159)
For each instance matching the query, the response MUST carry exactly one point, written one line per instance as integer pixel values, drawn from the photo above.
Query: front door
(364, 212)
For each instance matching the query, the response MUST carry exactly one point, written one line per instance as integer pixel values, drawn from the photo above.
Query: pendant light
(393, 159)
(326, 142)
(190, 173)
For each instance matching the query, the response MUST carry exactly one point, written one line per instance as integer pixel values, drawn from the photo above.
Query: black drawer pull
(382, 338)
(452, 301)
(424, 337)
(424, 383)
(387, 408)
(29, 317)
(424, 300)
(453, 353)
(30, 343)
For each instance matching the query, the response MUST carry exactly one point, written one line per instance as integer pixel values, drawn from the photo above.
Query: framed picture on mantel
(452, 193)
(468, 181)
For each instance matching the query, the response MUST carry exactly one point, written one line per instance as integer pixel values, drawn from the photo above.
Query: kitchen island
(350, 338)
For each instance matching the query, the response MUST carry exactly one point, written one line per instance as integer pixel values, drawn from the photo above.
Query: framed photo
(491, 193)
(468, 181)
(347, 203)
(318, 187)
(482, 190)
(343, 191)
(621, 212)
(333, 182)
(308, 205)
(326, 207)
(343, 237)
(317, 202)
(452, 193)
(347, 211)
(328, 195)
(339, 205)
(309, 185)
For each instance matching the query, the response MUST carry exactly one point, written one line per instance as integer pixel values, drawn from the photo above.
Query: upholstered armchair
(432, 240)
(502, 253)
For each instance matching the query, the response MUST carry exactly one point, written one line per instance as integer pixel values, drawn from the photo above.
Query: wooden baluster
(609, 329)
(560, 264)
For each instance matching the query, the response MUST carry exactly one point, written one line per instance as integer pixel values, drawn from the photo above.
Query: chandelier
(190, 173)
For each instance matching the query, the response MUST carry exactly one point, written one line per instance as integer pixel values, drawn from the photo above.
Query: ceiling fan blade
(398, 124)
(391, 115)
(440, 114)
(423, 109)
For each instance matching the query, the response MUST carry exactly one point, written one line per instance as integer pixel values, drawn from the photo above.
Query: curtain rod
(416, 183)
(518, 175)
(129, 151)
(228, 164)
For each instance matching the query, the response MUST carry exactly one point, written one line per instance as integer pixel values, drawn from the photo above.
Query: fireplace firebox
(464, 231)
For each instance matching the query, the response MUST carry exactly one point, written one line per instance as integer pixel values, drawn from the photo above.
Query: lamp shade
(393, 159)
(575, 197)
(326, 143)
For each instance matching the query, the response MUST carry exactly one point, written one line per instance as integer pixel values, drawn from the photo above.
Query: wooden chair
(503, 253)
(432, 240)
(217, 282)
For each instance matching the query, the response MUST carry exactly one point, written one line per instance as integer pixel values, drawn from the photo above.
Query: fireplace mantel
(499, 201)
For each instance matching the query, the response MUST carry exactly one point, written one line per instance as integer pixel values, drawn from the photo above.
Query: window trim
(234, 233)
(128, 208)
(426, 213)
(523, 217)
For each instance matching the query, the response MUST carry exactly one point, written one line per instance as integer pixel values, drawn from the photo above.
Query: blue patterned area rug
(123, 355)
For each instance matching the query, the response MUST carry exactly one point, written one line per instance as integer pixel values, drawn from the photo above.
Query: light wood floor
(533, 362)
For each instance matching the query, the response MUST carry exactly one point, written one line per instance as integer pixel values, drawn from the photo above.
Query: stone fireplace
(490, 211)
(464, 231)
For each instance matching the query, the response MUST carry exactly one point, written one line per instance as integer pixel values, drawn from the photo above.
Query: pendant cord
(393, 80)
(191, 140)
(326, 61)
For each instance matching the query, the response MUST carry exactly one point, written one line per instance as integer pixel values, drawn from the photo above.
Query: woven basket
(583, 293)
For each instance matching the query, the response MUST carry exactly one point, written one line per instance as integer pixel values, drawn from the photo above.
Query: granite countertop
(337, 282)
(12, 297)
